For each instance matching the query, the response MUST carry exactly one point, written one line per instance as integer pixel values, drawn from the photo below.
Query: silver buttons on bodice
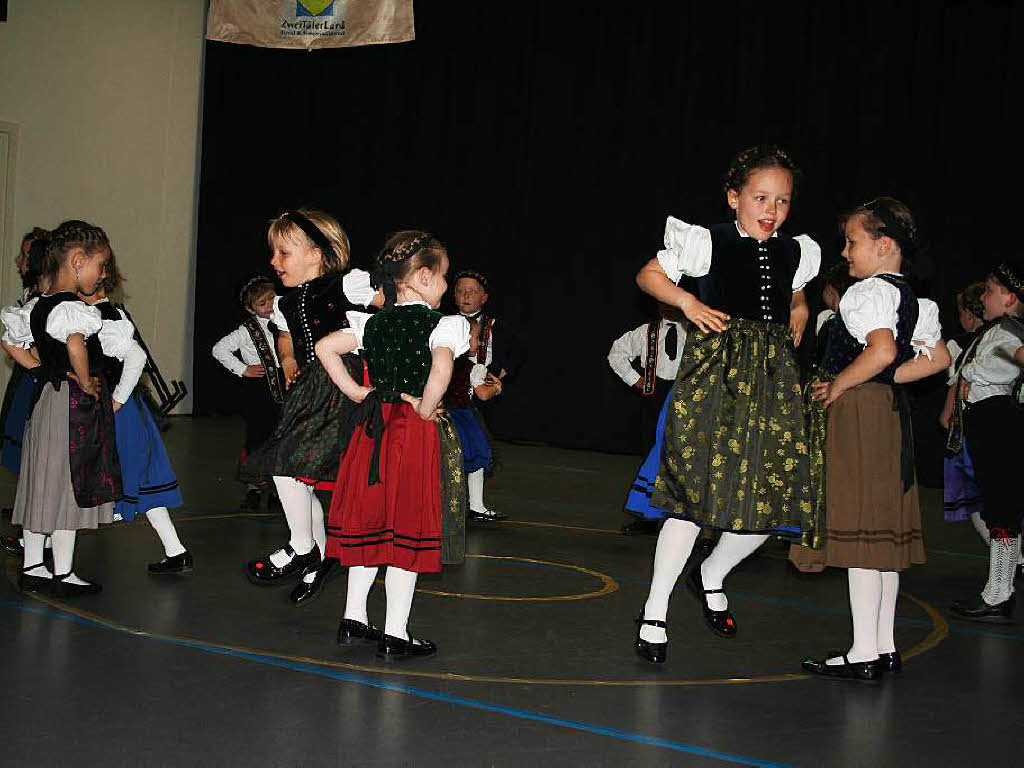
(765, 271)
(307, 332)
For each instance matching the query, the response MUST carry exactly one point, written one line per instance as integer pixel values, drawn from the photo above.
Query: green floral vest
(397, 350)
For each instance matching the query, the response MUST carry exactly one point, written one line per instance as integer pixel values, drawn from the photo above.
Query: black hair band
(893, 226)
(313, 233)
(1013, 282)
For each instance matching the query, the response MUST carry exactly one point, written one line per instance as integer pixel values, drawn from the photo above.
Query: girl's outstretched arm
(330, 349)
(921, 367)
(654, 282)
(437, 383)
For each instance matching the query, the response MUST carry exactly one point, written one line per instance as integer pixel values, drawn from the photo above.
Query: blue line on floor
(349, 677)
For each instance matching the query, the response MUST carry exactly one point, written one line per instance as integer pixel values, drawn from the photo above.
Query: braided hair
(68, 236)
(404, 253)
(887, 217)
(753, 159)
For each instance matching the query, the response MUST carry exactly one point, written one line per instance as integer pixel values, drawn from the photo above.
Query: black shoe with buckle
(488, 515)
(29, 583)
(306, 592)
(890, 662)
(264, 572)
(63, 588)
(722, 623)
(352, 632)
(645, 649)
(395, 648)
(976, 609)
(857, 670)
(182, 563)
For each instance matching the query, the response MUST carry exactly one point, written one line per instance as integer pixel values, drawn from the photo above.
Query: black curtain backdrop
(546, 142)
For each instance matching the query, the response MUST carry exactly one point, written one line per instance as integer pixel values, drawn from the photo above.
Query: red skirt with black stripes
(398, 520)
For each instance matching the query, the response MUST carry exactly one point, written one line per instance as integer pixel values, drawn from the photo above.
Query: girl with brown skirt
(400, 487)
(873, 526)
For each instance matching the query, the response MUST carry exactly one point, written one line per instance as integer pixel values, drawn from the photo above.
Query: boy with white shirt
(249, 352)
(658, 347)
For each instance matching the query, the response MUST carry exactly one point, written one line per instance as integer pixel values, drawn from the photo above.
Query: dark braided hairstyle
(404, 253)
(752, 159)
(887, 217)
(68, 236)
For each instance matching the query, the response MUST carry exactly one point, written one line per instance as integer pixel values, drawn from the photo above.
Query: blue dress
(638, 501)
(17, 405)
(147, 479)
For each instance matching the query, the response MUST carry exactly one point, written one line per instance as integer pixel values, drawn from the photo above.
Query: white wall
(106, 97)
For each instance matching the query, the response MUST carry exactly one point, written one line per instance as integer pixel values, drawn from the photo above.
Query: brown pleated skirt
(870, 521)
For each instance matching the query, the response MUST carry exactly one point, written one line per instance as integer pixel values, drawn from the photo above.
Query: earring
(77, 271)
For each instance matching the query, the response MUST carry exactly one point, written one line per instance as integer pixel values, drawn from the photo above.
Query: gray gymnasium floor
(535, 662)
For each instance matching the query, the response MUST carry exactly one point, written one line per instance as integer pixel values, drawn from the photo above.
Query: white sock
(295, 497)
(33, 543)
(731, 550)
(161, 521)
(675, 543)
(400, 585)
(475, 481)
(980, 527)
(1002, 564)
(319, 533)
(360, 580)
(865, 602)
(64, 556)
(48, 543)
(886, 642)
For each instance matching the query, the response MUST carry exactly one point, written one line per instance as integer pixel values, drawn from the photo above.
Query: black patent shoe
(28, 583)
(182, 563)
(63, 588)
(13, 547)
(976, 609)
(352, 632)
(306, 592)
(722, 623)
(645, 649)
(857, 670)
(251, 502)
(264, 572)
(395, 648)
(487, 516)
(890, 662)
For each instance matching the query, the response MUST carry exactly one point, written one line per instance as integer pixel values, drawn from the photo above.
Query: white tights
(873, 607)
(305, 517)
(400, 586)
(161, 521)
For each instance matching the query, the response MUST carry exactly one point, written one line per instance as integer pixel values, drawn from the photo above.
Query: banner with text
(310, 24)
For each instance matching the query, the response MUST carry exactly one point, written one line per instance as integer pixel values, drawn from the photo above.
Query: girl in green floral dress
(736, 456)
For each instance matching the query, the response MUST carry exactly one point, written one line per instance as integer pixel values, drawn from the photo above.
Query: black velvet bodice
(53, 354)
(312, 311)
(842, 348)
(396, 345)
(749, 278)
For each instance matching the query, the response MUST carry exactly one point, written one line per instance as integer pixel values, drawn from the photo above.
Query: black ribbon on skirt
(901, 404)
(370, 415)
